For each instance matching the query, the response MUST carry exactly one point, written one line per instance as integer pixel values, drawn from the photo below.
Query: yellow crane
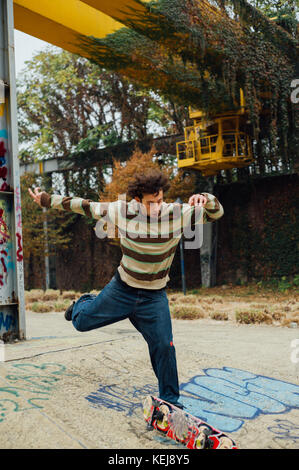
(218, 143)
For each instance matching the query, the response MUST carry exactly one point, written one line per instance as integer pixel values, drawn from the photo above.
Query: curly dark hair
(149, 182)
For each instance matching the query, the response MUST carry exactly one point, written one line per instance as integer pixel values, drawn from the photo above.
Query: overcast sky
(25, 47)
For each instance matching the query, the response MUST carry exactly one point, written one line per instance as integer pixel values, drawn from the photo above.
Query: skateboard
(182, 427)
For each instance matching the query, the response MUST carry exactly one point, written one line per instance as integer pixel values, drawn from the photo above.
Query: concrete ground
(65, 389)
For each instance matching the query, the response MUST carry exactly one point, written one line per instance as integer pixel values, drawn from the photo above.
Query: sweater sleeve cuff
(45, 199)
(210, 204)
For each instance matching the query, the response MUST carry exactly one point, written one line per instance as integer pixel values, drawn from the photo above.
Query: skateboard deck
(182, 427)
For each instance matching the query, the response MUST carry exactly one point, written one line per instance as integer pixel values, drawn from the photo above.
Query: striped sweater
(148, 245)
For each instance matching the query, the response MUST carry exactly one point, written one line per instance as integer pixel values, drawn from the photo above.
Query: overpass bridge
(59, 22)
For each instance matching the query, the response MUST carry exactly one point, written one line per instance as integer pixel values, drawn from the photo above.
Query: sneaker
(69, 311)
(178, 405)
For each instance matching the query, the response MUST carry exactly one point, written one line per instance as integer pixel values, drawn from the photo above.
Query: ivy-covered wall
(257, 240)
(258, 234)
(90, 263)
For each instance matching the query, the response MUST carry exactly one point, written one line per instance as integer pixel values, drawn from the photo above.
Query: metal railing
(228, 144)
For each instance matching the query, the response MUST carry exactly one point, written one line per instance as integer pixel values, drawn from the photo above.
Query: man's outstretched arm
(94, 210)
(213, 210)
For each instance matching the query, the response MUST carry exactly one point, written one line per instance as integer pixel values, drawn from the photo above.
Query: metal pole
(182, 266)
(45, 226)
(12, 302)
(47, 266)
(182, 258)
(208, 248)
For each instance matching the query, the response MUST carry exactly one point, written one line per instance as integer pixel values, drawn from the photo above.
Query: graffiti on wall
(6, 246)
(4, 186)
(7, 322)
(19, 224)
(5, 238)
(225, 398)
(6, 252)
(3, 167)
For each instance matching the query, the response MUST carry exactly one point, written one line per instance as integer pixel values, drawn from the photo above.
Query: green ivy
(266, 247)
(170, 47)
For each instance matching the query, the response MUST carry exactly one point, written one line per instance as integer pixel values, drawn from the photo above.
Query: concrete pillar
(12, 302)
(208, 250)
(208, 254)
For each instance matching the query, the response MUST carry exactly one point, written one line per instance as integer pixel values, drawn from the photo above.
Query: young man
(149, 231)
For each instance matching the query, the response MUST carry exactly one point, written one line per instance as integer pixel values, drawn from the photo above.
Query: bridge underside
(60, 21)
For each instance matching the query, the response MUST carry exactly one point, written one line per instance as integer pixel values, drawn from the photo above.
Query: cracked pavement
(65, 389)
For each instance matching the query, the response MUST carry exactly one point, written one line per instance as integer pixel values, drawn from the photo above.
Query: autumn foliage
(123, 172)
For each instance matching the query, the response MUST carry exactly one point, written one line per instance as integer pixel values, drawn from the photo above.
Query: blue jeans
(148, 311)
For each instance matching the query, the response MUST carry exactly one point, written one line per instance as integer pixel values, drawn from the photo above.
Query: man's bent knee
(79, 324)
(165, 347)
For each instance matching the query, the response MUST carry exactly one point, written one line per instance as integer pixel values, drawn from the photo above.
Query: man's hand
(36, 196)
(197, 200)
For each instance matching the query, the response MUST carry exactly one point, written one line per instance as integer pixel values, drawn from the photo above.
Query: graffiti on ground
(122, 399)
(28, 386)
(285, 430)
(225, 398)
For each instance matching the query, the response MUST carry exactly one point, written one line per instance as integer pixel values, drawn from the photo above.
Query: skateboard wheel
(225, 443)
(162, 417)
(202, 441)
(147, 407)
